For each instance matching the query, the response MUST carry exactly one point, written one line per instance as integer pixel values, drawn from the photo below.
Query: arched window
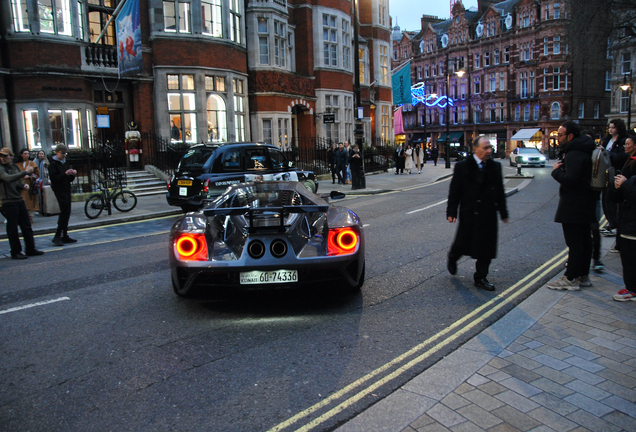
(555, 113)
(217, 119)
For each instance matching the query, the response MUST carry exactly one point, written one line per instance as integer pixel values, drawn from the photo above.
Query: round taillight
(187, 246)
(347, 240)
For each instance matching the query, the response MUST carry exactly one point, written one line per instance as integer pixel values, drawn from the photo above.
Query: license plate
(184, 183)
(269, 277)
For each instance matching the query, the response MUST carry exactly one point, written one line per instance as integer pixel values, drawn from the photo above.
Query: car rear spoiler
(281, 211)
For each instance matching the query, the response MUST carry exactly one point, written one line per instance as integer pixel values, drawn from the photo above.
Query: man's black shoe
(451, 265)
(67, 239)
(18, 256)
(57, 241)
(34, 252)
(484, 284)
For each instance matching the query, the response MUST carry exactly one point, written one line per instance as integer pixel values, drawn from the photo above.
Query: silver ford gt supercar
(263, 235)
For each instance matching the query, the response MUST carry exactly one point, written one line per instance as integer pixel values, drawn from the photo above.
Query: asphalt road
(93, 338)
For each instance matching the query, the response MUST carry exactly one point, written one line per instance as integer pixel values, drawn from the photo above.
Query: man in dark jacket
(13, 207)
(400, 160)
(577, 204)
(61, 176)
(342, 160)
(477, 190)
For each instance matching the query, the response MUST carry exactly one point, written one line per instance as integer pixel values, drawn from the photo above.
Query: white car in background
(530, 156)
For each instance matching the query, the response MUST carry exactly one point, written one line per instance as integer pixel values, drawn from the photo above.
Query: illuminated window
(65, 127)
(182, 108)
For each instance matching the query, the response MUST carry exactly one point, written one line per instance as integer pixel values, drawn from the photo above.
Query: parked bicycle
(123, 200)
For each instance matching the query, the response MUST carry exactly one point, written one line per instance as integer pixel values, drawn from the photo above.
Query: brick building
(623, 54)
(521, 75)
(262, 70)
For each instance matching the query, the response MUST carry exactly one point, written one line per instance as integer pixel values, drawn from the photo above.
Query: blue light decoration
(418, 94)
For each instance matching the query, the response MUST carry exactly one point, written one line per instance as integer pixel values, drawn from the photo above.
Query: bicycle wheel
(125, 201)
(94, 206)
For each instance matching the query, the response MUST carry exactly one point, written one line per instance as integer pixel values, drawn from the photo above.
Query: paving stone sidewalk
(560, 361)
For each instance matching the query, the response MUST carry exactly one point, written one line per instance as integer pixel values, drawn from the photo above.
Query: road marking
(426, 208)
(529, 281)
(42, 303)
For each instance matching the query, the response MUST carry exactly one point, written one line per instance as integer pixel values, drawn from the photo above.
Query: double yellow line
(376, 379)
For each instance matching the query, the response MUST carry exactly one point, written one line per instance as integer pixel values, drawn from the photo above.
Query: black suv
(206, 170)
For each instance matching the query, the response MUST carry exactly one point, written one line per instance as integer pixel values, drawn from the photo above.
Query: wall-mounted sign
(329, 118)
(103, 121)
(102, 110)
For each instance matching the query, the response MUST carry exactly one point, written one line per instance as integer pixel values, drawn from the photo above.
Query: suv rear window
(256, 159)
(194, 159)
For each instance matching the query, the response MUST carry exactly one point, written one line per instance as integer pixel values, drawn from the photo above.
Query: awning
(454, 137)
(418, 138)
(527, 134)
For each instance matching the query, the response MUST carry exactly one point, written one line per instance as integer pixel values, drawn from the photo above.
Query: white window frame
(62, 8)
(235, 21)
(212, 25)
(20, 16)
(182, 17)
(330, 40)
(262, 29)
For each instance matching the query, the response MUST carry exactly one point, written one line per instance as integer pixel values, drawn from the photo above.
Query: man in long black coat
(477, 191)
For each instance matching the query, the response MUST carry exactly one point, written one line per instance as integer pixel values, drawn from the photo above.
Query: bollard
(519, 161)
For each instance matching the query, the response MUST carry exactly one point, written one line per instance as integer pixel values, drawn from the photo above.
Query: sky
(409, 12)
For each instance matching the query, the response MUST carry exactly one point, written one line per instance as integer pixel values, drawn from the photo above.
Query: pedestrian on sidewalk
(624, 195)
(13, 206)
(29, 194)
(331, 161)
(355, 162)
(342, 161)
(614, 143)
(418, 152)
(409, 164)
(349, 150)
(399, 160)
(477, 190)
(434, 155)
(61, 176)
(598, 265)
(577, 203)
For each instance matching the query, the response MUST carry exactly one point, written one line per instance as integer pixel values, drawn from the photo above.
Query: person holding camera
(13, 207)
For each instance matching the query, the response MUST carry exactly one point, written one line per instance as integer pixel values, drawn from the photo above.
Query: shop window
(182, 108)
(217, 119)
(32, 129)
(65, 127)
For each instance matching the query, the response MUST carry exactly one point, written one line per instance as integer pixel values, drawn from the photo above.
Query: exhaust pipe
(278, 248)
(256, 249)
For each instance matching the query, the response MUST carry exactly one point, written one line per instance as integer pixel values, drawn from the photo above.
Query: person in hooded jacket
(61, 176)
(577, 204)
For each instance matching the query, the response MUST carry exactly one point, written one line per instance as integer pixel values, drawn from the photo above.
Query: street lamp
(358, 131)
(627, 86)
(459, 73)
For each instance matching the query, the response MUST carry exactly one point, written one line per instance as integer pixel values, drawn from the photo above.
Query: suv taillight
(205, 186)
